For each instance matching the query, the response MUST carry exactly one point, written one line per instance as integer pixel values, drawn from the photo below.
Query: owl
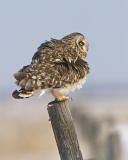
(57, 67)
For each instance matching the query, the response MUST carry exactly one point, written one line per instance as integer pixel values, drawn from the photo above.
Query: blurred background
(99, 109)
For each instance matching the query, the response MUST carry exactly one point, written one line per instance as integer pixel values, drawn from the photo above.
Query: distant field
(26, 134)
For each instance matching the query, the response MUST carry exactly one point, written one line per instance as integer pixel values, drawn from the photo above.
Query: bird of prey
(57, 67)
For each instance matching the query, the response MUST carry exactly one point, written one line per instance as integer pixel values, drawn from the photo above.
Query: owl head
(78, 43)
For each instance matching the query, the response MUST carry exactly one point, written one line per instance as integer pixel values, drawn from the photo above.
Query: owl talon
(62, 98)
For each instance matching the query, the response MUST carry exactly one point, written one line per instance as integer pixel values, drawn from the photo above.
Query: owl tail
(22, 93)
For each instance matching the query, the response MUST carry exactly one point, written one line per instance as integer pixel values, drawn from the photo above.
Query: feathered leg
(58, 96)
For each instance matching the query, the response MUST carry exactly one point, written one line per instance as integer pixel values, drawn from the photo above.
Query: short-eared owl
(57, 67)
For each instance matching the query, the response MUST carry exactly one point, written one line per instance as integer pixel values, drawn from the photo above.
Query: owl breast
(72, 87)
(82, 70)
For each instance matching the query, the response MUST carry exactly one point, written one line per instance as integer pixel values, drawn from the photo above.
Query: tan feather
(22, 94)
(22, 83)
(29, 85)
(19, 75)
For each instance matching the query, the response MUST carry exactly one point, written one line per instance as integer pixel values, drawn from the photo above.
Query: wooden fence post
(64, 130)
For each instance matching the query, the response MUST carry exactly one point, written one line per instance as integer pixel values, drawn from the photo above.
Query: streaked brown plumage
(57, 67)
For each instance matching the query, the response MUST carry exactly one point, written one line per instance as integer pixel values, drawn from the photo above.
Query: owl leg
(58, 96)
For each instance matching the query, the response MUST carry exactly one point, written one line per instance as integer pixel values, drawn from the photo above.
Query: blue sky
(24, 25)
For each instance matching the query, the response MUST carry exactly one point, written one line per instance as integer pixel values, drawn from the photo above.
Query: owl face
(82, 45)
(78, 42)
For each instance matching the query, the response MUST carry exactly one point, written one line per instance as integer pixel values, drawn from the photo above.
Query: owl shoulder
(47, 50)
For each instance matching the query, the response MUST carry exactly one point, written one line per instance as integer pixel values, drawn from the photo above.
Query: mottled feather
(56, 64)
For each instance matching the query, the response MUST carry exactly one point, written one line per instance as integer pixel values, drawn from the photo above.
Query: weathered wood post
(64, 130)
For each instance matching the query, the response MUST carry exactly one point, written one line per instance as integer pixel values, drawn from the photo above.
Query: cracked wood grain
(64, 131)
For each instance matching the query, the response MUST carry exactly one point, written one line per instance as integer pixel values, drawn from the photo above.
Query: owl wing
(47, 75)
(54, 51)
(50, 51)
(39, 73)
(51, 67)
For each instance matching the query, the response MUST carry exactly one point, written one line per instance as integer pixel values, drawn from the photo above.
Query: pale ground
(26, 133)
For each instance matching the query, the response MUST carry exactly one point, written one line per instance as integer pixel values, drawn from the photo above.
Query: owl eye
(81, 43)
